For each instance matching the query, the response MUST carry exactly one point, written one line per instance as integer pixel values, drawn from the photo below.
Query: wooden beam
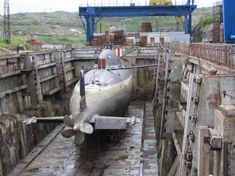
(42, 66)
(53, 91)
(13, 90)
(68, 83)
(69, 59)
(12, 73)
(70, 69)
(174, 166)
(38, 85)
(176, 143)
(47, 78)
(203, 151)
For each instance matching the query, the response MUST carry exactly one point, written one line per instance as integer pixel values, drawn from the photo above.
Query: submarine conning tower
(108, 59)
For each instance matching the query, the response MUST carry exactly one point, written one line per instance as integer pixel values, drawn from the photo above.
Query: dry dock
(187, 125)
(134, 154)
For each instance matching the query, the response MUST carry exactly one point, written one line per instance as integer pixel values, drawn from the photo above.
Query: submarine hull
(104, 100)
(101, 97)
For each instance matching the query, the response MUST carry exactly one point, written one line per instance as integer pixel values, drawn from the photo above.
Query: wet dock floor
(131, 156)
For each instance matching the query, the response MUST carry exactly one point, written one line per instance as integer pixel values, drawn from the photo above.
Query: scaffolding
(217, 20)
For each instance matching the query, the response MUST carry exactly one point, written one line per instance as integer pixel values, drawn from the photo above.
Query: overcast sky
(72, 5)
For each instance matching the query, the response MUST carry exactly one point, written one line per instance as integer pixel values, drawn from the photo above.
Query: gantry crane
(92, 12)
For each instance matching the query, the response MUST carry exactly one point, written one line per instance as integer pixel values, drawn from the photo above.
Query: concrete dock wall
(40, 84)
(194, 116)
(35, 84)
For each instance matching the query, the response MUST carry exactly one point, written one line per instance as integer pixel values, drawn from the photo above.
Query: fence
(220, 54)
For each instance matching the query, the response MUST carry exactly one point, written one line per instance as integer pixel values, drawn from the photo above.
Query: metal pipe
(126, 68)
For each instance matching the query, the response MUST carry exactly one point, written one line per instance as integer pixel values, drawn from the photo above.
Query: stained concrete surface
(150, 166)
(131, 156)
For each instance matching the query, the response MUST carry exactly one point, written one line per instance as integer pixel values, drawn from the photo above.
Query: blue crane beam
(90, 13)
(135, 11)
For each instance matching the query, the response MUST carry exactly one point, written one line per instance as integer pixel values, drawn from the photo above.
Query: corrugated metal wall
(229, 18)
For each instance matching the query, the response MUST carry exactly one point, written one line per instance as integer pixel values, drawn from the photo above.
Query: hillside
(56, 23)
(66, 27)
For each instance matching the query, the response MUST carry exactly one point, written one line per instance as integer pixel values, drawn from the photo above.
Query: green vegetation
(134, 24)
(14, 42)
(205, 21)
(201, 26)
(200, 13)
(55, 23)
(63, 39)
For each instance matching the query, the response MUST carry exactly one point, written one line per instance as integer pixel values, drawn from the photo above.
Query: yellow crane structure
(160, 2)
(179, 19)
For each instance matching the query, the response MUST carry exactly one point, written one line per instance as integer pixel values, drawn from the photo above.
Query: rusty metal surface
(213, 101)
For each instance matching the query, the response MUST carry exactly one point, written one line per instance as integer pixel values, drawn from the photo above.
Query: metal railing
(219, 54)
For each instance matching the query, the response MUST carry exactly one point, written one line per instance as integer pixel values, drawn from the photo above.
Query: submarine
(103, 92)
(99, 100)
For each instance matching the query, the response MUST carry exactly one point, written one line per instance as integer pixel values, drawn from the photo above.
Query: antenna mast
(6, 22)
